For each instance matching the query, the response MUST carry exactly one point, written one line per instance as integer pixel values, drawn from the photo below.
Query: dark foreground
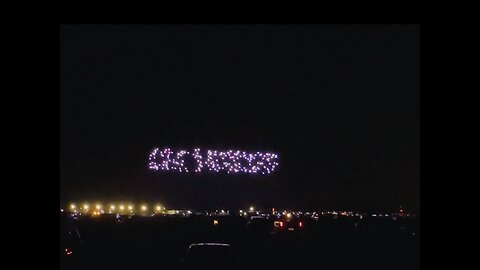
(162, 243)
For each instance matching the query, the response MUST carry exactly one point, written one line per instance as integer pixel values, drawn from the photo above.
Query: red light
(300, 224)
(281, 224)
(69, 252)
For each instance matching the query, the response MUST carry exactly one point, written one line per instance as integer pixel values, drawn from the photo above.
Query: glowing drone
(215, 161)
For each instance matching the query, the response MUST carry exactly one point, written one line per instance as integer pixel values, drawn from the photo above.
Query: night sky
(339, 104)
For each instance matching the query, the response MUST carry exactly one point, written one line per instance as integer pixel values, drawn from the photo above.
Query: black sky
(339, 104)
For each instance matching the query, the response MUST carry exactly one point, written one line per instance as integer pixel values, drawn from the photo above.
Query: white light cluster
(168, 163)
(198, 159)
(216, 161)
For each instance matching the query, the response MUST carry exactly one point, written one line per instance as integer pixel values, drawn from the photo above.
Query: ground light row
(118, 207)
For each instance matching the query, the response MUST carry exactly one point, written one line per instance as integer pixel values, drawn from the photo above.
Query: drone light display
(213, 161)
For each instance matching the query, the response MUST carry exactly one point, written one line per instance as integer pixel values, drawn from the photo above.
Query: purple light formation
(216, 161)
